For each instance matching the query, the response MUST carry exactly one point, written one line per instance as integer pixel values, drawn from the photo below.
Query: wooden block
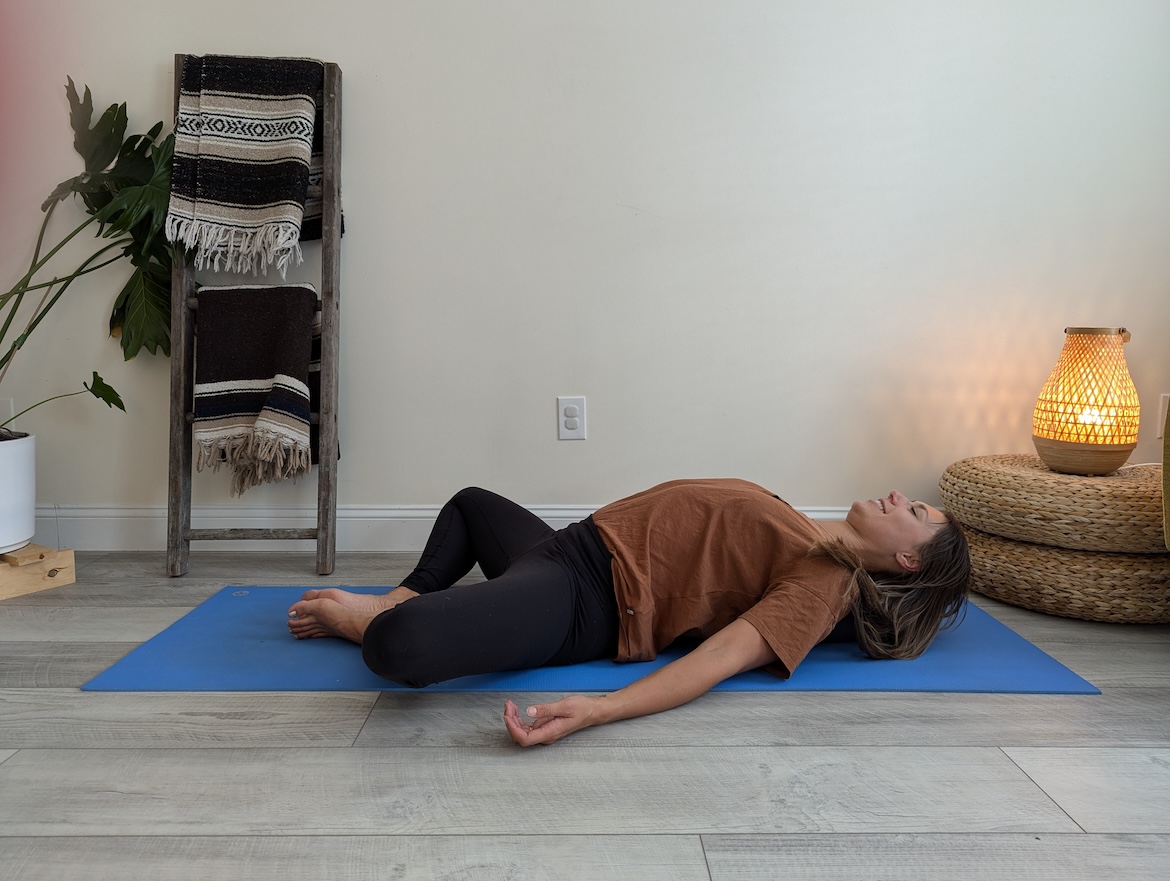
(34, 568)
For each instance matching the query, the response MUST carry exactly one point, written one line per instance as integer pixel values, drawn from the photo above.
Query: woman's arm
(734, 649)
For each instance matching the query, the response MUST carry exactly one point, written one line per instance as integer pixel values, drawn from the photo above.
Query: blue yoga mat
(238, 641)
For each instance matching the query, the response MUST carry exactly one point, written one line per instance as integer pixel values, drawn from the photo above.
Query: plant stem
(18, 290)
(44, 226)
(45, 401)
(42, 309)
(47, 284)
(37, 265)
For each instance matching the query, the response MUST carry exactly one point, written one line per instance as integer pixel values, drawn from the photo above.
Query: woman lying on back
(721, 560)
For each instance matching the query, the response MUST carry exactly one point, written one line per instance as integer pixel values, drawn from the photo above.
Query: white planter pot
(18, 492)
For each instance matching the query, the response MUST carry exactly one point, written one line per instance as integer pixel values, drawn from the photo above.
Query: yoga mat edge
(237, 640)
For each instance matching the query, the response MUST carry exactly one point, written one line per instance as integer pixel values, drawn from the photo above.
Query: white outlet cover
(571, 417)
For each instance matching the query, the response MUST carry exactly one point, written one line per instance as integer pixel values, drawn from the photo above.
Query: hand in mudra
(551, 722)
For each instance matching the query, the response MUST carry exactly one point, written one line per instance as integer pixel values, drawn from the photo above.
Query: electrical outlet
(571, 418)
(1162, 413)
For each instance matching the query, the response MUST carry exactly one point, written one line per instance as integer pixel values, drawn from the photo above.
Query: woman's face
(895, 526)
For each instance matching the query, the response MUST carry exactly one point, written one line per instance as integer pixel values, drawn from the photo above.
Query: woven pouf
(1081, 547)
(1018, 497)
(1118, 588)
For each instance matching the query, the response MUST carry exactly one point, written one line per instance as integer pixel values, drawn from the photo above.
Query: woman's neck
(844, 533)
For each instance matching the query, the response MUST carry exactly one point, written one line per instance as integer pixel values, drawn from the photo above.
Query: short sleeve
(792, 617)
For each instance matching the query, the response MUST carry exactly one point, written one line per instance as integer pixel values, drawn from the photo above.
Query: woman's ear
(908, 560)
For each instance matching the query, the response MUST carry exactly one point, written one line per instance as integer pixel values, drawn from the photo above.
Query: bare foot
(324, 616)
(359, 602)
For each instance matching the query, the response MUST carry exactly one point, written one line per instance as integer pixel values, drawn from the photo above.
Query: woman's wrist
(609, 708)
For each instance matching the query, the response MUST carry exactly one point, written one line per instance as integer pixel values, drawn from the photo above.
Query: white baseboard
(375, 528)
(401, 528)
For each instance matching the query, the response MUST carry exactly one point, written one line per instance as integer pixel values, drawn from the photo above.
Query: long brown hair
(899, 616)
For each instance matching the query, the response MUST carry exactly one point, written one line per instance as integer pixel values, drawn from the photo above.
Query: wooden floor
(364, 785)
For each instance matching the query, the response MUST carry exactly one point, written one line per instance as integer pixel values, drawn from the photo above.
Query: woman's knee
(396, 647)
(475, 495)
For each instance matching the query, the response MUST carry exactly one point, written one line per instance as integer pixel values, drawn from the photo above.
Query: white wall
(827, 246)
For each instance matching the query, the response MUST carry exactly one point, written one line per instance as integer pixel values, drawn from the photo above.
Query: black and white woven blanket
(246, 177)
(253, 354)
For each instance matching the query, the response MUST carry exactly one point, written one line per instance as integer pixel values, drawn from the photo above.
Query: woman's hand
(734, 649)
(552, 721)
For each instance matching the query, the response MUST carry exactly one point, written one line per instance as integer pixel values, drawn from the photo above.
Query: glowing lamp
(1086, 418)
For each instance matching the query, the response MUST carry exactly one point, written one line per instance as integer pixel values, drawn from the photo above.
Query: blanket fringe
(256, 458)
(235, 250)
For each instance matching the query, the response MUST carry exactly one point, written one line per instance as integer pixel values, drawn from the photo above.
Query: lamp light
(1086, 418)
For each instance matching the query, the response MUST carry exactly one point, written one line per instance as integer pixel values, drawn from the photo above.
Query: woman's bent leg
(476, 526)
(516, 621)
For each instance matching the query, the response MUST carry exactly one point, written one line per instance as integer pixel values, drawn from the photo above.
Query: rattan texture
(1089, 398)
(1114, 588)
(1018, 497)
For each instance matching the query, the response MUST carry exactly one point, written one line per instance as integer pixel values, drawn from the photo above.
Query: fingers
(511, 711)
(518, 729)
(550, 722)
(522, 732)
(541, 715)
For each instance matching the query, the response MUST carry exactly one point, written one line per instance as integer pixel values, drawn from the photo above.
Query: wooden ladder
(183, 305)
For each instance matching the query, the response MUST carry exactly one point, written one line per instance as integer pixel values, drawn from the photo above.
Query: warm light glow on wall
(1086, 418)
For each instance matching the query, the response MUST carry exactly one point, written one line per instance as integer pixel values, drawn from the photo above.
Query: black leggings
(548, 599)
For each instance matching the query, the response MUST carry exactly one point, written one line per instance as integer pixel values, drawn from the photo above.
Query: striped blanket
(246, 177)
(253, 352)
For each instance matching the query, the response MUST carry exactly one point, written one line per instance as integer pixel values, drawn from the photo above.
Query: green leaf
(104, 392)
(100, 144)
(64, 189)
(80, 112)
(142, 312)
(131, 205)
(134, 166)
(96, 190)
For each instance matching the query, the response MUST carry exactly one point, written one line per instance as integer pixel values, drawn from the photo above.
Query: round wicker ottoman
(1081, 547)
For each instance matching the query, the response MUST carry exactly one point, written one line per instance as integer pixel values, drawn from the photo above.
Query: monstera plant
(124, 190)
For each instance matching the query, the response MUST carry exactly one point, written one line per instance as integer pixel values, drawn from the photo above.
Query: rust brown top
(691, 556)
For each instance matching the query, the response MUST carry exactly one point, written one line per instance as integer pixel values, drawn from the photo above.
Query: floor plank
(933, 857)
(1115, 665)
(1123, 717)
(57, 664)
(509, 791)
(121, 594)
(241, 567)
(62, 718)
(70, 624)
(351, 858)
(1040, 627)
(1104, 790)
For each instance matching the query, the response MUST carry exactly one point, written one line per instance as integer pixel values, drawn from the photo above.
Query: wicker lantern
(1086, 418)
